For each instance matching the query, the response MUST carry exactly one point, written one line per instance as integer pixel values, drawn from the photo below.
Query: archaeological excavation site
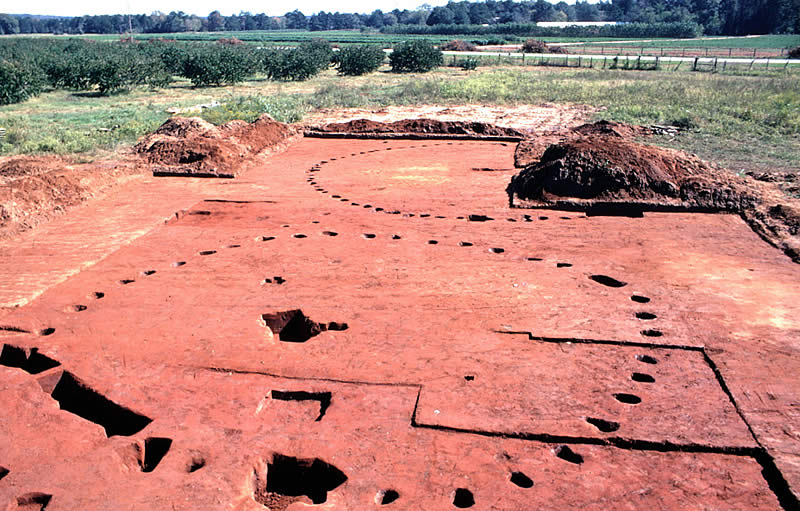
(415, 313)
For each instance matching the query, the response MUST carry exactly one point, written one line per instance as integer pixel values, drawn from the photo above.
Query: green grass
(762, 41)
(741, 121)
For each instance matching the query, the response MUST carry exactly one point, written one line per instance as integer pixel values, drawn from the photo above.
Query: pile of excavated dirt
(193, 147)
(612, 175)
(789, 182)
(34, 189)
(415, 128)
(540, 118)
(531, 149)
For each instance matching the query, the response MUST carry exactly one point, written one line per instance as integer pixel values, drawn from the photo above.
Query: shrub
(218, 64)
(359, 60)
(108, 67)
(794, 53)
(458, 45)
(468, 64)
(298, 64)
(19, 82)
(534, 46)
(415, 56)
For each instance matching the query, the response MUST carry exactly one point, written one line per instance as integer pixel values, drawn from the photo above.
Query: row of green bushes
(29, 66)
(675, 30)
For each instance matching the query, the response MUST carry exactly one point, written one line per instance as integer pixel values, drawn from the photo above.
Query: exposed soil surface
(35, 189)
(525, 118)
(193, 147)
(422, 127)
(614, 174)
(357, 323)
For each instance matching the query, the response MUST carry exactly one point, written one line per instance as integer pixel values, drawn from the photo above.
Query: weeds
(743, 122)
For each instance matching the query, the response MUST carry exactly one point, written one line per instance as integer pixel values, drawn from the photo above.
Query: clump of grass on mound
(282, 108)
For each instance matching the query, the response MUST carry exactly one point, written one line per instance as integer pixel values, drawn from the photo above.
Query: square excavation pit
(412, 245)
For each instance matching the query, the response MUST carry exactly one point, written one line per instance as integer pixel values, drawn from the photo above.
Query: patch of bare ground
(524, 118)
(35, 189)
(599, 168)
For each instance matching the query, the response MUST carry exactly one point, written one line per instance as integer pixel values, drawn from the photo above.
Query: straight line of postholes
(618, 442)
(772, 475)
(770, 472)
(576, 340)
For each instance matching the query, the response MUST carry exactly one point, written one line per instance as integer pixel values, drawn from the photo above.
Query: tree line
(715, 17)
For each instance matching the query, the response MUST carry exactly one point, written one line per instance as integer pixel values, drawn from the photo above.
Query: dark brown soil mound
(531, 149)
(611, 174)
(196, 148)
(429, 127)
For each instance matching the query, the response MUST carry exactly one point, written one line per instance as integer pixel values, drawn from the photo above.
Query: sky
(203, 7)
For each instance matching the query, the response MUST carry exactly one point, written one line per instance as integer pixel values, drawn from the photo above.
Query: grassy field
(762, 41)
(741, 121)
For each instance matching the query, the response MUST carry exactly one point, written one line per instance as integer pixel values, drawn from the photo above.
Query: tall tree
(216, 23)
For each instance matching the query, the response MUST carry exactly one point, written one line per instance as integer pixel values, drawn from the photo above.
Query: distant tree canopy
(731, 17)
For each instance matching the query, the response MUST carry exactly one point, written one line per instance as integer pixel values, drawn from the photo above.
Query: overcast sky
(203, 7)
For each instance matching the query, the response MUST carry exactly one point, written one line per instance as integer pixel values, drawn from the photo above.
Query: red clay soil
(193, 147)
(423, 128)
(532, 147)
(360, 323)
(615, 174)
(35, 189)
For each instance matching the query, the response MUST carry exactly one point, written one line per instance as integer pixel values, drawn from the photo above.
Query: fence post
(730, 51)
(706, 52)
(579, 61)
(767, 65)
(715, 64)
(754, 52)
(694, 66)
(656, 61)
